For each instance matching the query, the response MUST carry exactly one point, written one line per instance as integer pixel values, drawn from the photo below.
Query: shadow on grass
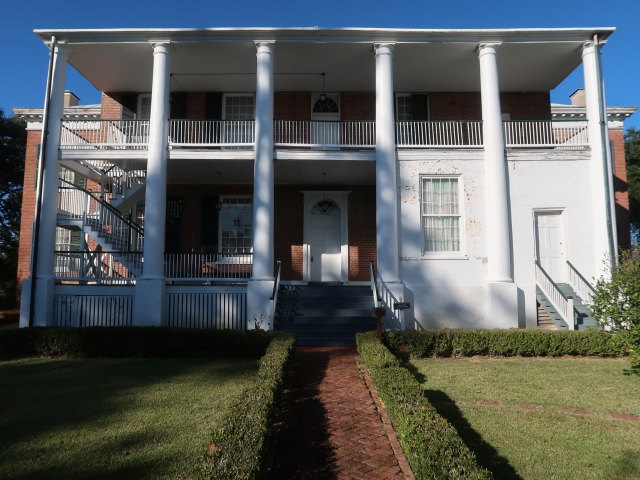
(486, 454)
(100, 418)
(626, 466)
(302, 449)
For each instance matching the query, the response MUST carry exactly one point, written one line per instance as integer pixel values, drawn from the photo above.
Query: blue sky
(25, 58)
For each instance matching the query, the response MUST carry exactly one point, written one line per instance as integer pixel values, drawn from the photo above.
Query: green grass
(547, 443)
(112, 418)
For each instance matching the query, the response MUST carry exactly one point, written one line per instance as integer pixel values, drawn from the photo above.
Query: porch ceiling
(287, 172)
(424, 60)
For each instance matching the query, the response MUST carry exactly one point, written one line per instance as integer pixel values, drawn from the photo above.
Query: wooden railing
(560, 302)
(452, 134)
(100, 267)
(208, 266)
(360, 134)
(580, 284)
(570, 134)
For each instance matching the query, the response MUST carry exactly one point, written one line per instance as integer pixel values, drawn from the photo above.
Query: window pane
(441, 214)
(235, 225)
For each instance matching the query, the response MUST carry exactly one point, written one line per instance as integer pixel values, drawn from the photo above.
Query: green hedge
(432, 446)
(239, 444)
(131, 342)
(523, 342)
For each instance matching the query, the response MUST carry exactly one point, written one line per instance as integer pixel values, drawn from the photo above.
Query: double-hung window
(441, 214)
(235, 224)
(238, 111)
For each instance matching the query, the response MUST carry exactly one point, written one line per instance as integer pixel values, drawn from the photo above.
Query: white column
(44, 288)
(149, 309)
(386, 184)
(600, 168)
(261, 283)
(502, 307)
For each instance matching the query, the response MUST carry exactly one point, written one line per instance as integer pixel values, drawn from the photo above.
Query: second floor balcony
(309, 134)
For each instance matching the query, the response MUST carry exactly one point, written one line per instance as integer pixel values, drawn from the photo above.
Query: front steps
(324, 314)
(549, 319)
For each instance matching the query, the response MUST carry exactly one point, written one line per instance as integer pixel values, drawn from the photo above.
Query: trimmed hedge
(432, 446)
(512, 342)
(240, 443)
(89, 342)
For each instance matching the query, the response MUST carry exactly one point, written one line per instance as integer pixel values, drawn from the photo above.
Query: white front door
(550, 248)
(325, 242)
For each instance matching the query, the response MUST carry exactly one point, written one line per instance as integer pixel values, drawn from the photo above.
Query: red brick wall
(28, 206)
(292, 106)
(620, 187)
(111, 106)
(289, 217)
(362, 231)
(468, 106)
(196, 106)
(358, 106)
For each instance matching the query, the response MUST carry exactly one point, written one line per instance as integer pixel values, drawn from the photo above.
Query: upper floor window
(238, 107)
(441, 217)
(412, 107)
(144, 106)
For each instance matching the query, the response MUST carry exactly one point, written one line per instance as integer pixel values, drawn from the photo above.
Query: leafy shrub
(131, 342)
(523, 342)
(616, 303)
(432, 446)
(239, 444)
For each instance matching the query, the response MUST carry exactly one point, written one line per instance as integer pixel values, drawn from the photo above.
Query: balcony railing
(231, 134)
(570, 135)
(208, 266)
(439, 134)
(315, 134)
(97, 266)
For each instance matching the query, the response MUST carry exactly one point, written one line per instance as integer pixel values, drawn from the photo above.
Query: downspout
(35, 234)
(613, 251)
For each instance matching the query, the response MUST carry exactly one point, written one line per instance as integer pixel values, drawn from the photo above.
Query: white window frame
(139, 105)
(221, 200)
(225, 96)
(410, 94)
(445, 254)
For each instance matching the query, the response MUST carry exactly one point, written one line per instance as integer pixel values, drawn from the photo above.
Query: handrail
(375, 286)
(106, 205)
(559, 301)
(273, 300)
(585, 295)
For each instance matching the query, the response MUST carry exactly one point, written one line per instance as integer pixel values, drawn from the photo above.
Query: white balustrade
(211, 266)
(446, 134)
(580, 284)
(204, 133)
(98, 267)
(570, 134)
(562, 304)
(305, 133)
(92, 134)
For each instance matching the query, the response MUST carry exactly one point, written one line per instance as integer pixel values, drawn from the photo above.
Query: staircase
(324, 314)
(547, 313)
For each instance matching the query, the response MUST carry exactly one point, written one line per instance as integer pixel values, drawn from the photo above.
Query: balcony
(331, 135)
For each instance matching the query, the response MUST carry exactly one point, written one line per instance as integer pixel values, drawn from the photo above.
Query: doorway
(550, 243)
(325, 237)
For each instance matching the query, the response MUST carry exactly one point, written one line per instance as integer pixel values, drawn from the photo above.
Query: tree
(12, 151)
(616, 303)
(632, 153)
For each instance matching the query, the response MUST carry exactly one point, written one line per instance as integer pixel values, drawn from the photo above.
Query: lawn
(112, 418)
(513, 412)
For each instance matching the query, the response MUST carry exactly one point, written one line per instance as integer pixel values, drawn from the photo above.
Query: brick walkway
(332, 428)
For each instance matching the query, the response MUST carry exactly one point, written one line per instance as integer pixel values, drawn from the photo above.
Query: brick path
(331, 428)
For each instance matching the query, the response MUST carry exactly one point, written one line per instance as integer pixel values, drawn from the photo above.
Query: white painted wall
(452, 291)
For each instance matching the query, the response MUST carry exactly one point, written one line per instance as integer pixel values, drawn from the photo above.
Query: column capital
(488, 47)
(264, 46)
(384, 48)
(160, 46)
(589, 46)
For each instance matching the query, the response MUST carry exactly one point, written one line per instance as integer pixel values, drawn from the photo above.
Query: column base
(149, 305)
(44, 311)
(502, 305)
(258, 304)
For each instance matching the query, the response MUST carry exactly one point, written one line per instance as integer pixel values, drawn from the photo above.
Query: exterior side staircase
(116, 234)
(324, 314)
(549, 318)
